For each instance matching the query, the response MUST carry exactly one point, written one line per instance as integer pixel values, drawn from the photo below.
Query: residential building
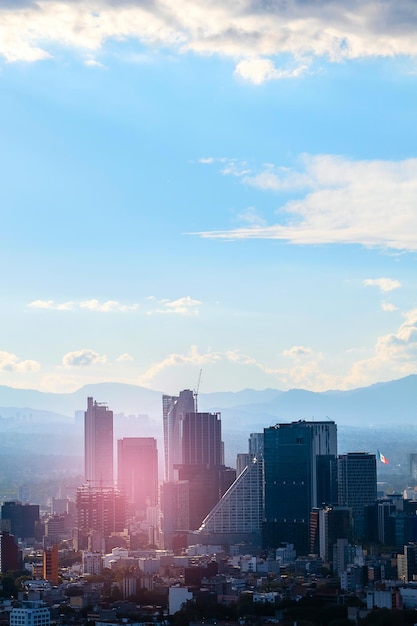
(31, 613)
(51, 565)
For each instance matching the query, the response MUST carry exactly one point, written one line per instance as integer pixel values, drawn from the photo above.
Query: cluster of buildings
(291, 497)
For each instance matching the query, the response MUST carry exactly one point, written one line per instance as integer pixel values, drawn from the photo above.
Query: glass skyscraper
(299, 474)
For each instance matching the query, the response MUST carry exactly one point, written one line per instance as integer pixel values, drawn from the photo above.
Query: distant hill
(44, 423)
(379, 405)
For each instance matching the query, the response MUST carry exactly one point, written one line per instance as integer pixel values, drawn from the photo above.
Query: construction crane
(195, 392)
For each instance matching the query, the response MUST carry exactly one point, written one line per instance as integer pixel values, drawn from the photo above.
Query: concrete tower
(98, 444)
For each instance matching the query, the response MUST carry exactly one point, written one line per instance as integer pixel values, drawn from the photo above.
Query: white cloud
(206, 160)
(9, 362)
(395, 355)
(388, 306)
(182, 306)
(50, 304)
(258, 71)
(124, 357)
(298, 351)
(371, 203)
(83, 358)
(250, 216)
(108, 306)
(384, 284)
(249, 30)
(93, 63)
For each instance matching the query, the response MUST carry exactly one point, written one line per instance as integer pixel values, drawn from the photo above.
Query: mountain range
(361, 414)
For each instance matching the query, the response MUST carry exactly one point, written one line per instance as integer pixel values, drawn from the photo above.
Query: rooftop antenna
(195, 392)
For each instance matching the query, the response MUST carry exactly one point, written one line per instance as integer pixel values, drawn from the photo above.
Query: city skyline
(200, 186)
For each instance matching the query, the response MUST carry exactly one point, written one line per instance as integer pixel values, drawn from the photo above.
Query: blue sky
(229, 188)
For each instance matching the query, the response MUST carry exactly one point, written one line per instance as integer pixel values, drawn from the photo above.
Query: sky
(228, 187)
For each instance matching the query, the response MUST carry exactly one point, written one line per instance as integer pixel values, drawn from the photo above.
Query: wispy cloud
(297, 352)
(254, 33)
(108, 306)
(83, 358)
(388, 307)
(123, 358)
(395, 355)
(51, 305)
(181, 306)
(93, 63)
(371, 203)
(259, 70)
(9, 362)
(384, 284)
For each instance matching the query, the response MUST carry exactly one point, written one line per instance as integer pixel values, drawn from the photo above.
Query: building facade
(98, 444)
(356, 479)
(174, 408)
(22, 517)
(100, 513)
(299, 474)
(137, 474)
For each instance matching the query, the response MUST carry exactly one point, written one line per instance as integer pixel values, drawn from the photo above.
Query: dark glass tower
(300, 474)
(357, 485)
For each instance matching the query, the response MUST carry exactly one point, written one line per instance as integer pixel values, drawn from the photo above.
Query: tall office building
(356, 478)
(137, 476)
(98, 444)
(202, 464)
(299, 474)
(201, 439)
(194, 456)
(174, 409)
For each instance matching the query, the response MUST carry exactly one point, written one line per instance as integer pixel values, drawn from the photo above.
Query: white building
(177, 597)
(32, 613)
(92, 562)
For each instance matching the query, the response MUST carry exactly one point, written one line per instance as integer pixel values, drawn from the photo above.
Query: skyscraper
(98, 444)
(201, 439)
(174, 409)
(300, 474)
(202, 464)
(356, 479)
(137, 475)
